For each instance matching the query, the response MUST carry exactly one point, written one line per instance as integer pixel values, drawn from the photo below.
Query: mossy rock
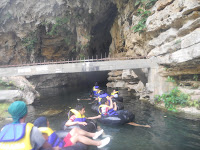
(51, 112)
(4, 110)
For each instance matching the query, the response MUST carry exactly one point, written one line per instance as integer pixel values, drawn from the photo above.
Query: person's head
(98, 89)
(104, 101)
(116, 89)
(96, 84)
(18, 111)
(41, 122)
(81, 108)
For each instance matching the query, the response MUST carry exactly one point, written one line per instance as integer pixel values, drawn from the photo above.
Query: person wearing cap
(20, 135)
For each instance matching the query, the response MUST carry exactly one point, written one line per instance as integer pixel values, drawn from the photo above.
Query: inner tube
(95, 106)
(119, 99)
(90, 127)
(123, 117)
(77, 146)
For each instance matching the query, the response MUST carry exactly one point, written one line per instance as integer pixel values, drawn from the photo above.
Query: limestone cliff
(171, 35)
(41, 30)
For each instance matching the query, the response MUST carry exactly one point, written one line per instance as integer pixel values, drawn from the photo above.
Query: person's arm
(71, 123)
(96, 99)
(139, 125)
(115, 106)
(111, 103)
(95, 117)
(38, 141)
(116, 95)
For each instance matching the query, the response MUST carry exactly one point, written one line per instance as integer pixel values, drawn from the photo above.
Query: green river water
(167, 132)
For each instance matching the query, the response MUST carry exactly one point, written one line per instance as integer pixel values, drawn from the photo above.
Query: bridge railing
(73, 61)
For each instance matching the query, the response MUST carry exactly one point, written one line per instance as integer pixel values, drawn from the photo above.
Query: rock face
(54, 30)
(26, 91)
(172, 37)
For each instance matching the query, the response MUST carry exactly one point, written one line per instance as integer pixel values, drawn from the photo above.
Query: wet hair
(102, 92)
(116, 89)
(103, 100)
(40, 122)
(79, 106)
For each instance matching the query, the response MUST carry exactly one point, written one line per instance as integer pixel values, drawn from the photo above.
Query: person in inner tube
(101, 95)
(95, 89)
(115, 93)
(74, 136)
(79, 116)
(109, 108)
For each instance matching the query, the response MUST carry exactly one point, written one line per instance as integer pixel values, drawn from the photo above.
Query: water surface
(167, 131)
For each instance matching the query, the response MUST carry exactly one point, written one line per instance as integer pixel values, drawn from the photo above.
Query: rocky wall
(51, 30)
(171, 37)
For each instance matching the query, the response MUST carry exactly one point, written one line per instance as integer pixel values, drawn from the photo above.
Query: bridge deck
(77, 67)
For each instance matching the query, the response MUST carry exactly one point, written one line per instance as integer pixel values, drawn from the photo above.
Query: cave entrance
(100, 34)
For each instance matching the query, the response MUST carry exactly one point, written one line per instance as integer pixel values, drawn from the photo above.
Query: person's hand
(82, 123)
(56, 148)
(147, 126)
(109, 98)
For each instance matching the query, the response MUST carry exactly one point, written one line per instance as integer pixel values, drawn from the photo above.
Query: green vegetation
(177, 42)
(170, 79)
(195, 77)
(3, 110)
(80, 49)
(82, 56)
(172, 99)
(142, 11)
(194, 103)
(6, 85)
(59, 26)
(30, 41)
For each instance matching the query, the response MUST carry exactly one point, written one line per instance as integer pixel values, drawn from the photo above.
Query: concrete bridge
(76, 66)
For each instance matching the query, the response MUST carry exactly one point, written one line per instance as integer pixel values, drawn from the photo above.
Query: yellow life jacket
(99, 99)
(94, 89)
(110, 111)
(53, 138)
(99, 91)
(103, 105)
(116, 92)
(46, 130)
(79, 117)
(22, 144)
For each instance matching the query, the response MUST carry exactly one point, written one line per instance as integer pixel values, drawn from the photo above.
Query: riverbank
(190, 113)
(4, 110)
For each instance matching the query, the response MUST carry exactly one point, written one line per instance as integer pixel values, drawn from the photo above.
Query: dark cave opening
(100, 34)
